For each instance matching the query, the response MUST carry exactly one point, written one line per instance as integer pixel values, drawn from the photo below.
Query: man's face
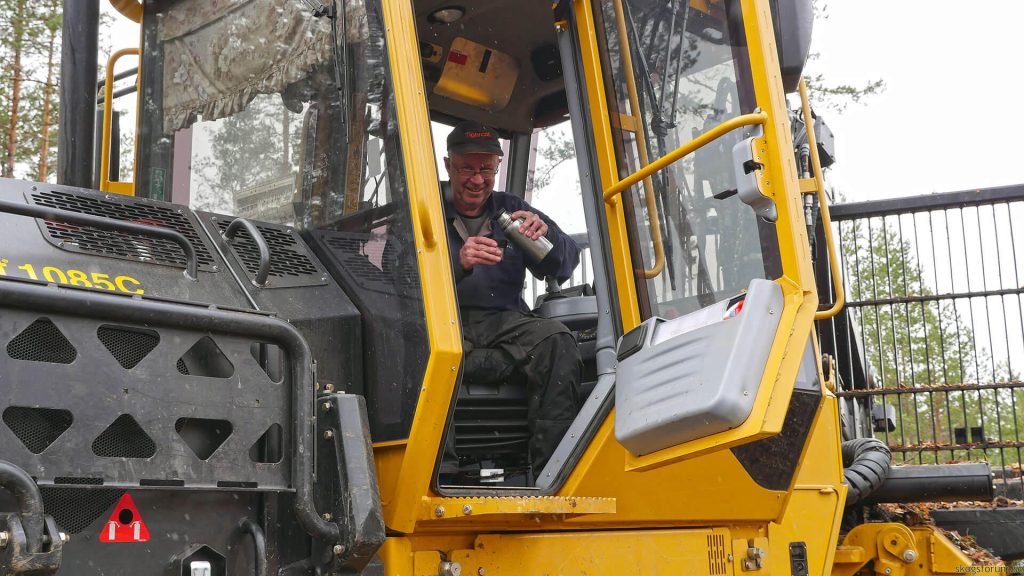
(472, 179)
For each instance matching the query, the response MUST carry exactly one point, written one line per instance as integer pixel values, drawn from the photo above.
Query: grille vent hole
(204, 358)
(37, 428)
(128, 345)
(42, 341)
(270, 358)
(203, 435)
(267, 450)
(124, 438)
(717, 559)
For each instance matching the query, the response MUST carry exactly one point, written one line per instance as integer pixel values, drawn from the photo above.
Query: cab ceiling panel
(504, 70)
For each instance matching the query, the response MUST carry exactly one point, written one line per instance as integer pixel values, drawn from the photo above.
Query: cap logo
(478, 134)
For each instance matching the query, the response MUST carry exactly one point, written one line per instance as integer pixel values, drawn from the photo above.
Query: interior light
(446, 15)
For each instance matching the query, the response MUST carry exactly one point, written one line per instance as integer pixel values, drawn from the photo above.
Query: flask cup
(537, 249)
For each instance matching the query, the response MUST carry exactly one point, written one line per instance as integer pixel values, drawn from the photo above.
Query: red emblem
(457, 57)
(125, 523)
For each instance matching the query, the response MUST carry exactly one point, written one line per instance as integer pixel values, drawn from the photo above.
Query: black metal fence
(930, 346)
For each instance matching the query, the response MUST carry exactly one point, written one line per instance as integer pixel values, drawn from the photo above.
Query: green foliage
(825, 95)
(30, 50)
(837, 97)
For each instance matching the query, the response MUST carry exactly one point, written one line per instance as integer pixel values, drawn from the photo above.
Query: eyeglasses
(483, 172)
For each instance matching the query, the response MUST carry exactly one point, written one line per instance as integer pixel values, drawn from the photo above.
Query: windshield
(687, 71)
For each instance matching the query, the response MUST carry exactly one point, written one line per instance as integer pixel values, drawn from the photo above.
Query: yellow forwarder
(249, 360)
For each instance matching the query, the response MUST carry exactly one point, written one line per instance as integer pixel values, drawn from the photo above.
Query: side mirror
(793, 21)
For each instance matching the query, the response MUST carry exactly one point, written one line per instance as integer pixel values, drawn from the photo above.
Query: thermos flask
(537, 249)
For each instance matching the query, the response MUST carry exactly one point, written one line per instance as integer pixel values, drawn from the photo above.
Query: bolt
(888, 570)
(328, 388)
(64, 537)
(5, 537)
(328, 434)
(909, 556)
(326, 406)
(480, 571)
(326, 516)
(467, 509)
(339, 549)
(439, 511)
(449, 569)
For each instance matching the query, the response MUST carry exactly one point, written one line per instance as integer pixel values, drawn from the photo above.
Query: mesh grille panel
(42, 341)
(129, 346)
(286, 257)
(348, 247)
(37, 428)
(118, 244)
(75, 509)
(124, 439)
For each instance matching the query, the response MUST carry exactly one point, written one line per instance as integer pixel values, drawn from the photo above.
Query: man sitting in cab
(490, 270)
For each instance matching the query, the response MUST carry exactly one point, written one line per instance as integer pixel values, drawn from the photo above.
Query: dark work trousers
(545, 352)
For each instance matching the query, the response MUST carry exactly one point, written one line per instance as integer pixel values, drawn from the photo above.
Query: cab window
(252, 117)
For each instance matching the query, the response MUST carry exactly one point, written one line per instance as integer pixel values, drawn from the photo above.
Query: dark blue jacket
(500, 287)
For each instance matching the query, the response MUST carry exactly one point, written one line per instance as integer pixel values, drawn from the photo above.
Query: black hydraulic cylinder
(79, 38)
(934, 483)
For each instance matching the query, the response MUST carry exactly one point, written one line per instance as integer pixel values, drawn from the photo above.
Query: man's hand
(479, 250)
(533, 226)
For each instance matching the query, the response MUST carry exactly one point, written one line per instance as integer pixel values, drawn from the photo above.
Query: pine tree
(18, 25)
(52, 21)
(29, 60)
(913, 340)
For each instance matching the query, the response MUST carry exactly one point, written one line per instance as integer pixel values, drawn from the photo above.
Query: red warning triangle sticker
(125, 524)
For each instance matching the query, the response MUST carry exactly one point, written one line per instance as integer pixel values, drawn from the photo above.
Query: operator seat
(490, 424)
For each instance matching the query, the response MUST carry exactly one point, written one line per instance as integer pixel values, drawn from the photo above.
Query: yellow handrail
(826, 219)
(641, 146)
(685, 149)
(108, 107)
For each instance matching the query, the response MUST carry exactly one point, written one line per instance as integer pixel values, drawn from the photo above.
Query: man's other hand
(533, 226)
(479, 250)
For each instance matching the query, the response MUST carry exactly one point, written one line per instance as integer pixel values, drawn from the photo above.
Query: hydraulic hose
(259, 542)
(866, 463)
(30, 503)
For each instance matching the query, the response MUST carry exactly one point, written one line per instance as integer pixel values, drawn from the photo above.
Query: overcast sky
(949, 118)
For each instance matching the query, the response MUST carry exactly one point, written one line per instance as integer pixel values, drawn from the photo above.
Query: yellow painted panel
(478, 75)
(698, 552)
(405, 477)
